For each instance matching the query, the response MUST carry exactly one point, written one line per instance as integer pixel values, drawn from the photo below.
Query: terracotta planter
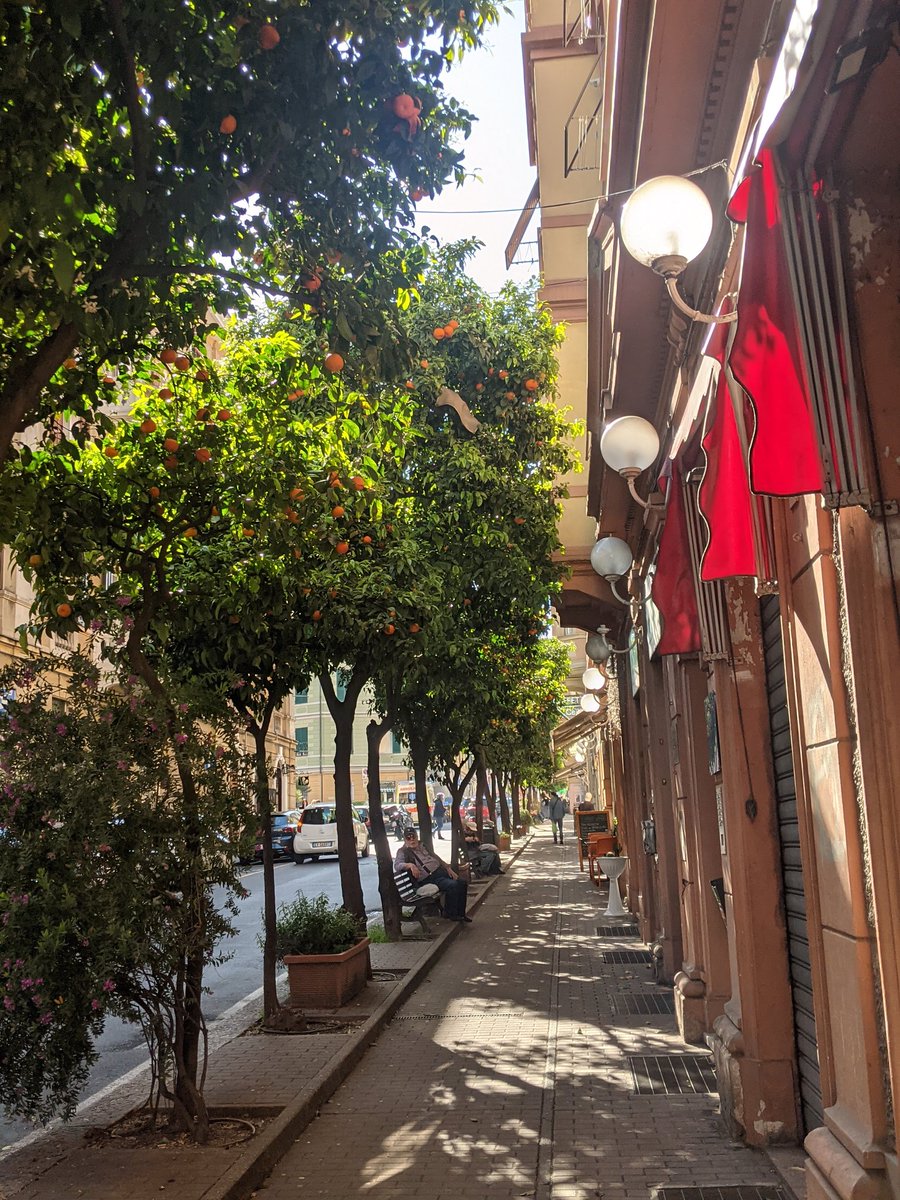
(327, 980)
(502, 841)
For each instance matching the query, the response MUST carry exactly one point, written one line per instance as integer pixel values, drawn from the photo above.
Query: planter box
(327, 980)
(502, 841)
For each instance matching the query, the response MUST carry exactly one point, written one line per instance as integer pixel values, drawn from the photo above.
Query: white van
(317, 833)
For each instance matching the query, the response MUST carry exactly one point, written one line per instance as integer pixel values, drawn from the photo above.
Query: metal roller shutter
(792, 869)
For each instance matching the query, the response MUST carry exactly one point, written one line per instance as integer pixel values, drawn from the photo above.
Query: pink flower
(180, 739)
(104, 848)
(123, 601)
(8, 1003)
(46, 1019)
(97, 624)
(122, 764)
(61, 729)
(95, 1005)
(108, 985)
(182, 708)
(220, 751)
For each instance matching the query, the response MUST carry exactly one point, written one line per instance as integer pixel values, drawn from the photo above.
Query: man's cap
(411, 833)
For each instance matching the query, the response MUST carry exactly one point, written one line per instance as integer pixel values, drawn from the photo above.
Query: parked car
(364, 817)
(317, 833)
(471, 810)
(284, 826)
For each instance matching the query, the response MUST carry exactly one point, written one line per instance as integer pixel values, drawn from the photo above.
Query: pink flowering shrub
(95, 861)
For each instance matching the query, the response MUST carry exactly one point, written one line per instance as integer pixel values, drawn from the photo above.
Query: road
(121, 1046)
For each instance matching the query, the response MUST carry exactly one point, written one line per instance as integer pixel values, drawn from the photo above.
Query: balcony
(582, 133)
(582, 20)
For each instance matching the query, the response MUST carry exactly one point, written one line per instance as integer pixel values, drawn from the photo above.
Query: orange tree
(170, 160)
(484, 503)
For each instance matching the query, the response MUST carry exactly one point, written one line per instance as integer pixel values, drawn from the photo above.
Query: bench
(416, 898)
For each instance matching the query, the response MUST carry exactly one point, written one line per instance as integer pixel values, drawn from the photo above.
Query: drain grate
(644, 1005)
(743, 1191)
(617, 930)
(673, 1074)
(618, 957)
(460, 1016)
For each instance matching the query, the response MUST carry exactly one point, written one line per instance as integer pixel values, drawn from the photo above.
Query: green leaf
(63, 266)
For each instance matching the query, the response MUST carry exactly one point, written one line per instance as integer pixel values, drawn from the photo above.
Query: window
(396, 746)
(301, 737)
(57, 705)
(301, 697)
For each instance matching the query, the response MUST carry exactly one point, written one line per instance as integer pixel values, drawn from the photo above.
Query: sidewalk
(511, 1071)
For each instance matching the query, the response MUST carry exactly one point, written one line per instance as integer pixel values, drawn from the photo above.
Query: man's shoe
(468, 920)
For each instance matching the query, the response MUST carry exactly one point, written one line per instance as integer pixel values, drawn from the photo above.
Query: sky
(490, 84)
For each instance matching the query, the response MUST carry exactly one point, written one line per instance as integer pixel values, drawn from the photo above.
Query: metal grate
(673, 1074)
(644, 1005)
(617, 930)
(619, 957)
(743, 1191)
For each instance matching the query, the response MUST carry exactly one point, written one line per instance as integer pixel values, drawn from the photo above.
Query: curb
(277, 1139)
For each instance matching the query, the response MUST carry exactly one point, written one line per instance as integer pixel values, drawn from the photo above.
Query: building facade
(751, 760)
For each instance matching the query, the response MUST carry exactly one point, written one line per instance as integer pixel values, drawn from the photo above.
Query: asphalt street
(121, 1046)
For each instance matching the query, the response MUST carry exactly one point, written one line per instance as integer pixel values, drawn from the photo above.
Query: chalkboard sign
(588, 822)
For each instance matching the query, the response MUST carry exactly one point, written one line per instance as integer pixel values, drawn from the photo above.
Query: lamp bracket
(694, 313)
(656, 500)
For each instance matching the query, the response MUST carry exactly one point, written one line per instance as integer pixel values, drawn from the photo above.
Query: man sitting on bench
(427, 868)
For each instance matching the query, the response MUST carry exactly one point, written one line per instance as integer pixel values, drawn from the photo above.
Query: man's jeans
(455, 892)
(557, 829)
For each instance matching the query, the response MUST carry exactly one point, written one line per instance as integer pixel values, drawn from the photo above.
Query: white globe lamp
(666, 223)
(629, 445)
(611, 558)
(590, 703)
(597, 647)
(593, 680)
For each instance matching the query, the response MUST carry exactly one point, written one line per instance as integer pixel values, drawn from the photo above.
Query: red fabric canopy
(725, 497)
(766, 356)
(673, 584)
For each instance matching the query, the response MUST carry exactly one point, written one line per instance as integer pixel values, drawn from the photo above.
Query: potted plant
(325, 952)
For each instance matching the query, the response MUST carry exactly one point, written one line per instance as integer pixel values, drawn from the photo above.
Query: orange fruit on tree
(228, 124)
(358, 483)
(416, 195)
(248, 532)
(334, 363)
(233, 619)
(509, 395)
(437, 333)
(268, 37)
(64, 610)
(297, 553)
(338, 510)
(479, 387)
(531, 385)
(410, 385)
(35, 560)
(190, 532)
(171, 445)
(201, 414)
(181, 363)
(223, 414)
(519, 520)
(166, 393)
(466, 601)
(171, 462)
(297, 493)
(389, 629)
(415, 627)
(70, 364)
(342, 547)
(334, 479)
(367, 541)
(503, 374)
(148, 426)
(312, 283)
(449, 330)
(202, 376)
(110, 452)
(424, 364)
(108, 379)
(153, 493)
(202, 454)
(332, 592)
(317, 616)
(168, 356)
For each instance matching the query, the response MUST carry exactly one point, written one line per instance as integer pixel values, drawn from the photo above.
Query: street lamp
(597, 647)
(611, 558)
(593, 680)
(630, 445)
(665, 224)
(590, 703)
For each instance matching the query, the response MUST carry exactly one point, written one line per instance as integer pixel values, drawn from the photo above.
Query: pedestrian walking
(558, 810)
(438, 814)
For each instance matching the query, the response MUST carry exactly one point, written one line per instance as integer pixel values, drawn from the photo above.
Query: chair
(598, 844)
(418, 899)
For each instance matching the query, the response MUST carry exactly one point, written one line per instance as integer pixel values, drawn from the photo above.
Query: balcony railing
(582, 19)
(582, 133)
(526, 254)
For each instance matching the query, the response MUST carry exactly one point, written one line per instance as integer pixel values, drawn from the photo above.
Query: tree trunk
(492, 799)
(418, 749)
(504, 807)
(516, 803)
(456, 840)
(390, 897)
(481, 792)
(343, 713)
(264, 809)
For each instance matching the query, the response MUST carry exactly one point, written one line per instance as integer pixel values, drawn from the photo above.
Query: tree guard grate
(644, 1005)
(620, 957)
(743, 1191)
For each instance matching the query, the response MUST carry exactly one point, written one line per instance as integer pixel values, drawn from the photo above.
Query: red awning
(766, 357)
(673, 584)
